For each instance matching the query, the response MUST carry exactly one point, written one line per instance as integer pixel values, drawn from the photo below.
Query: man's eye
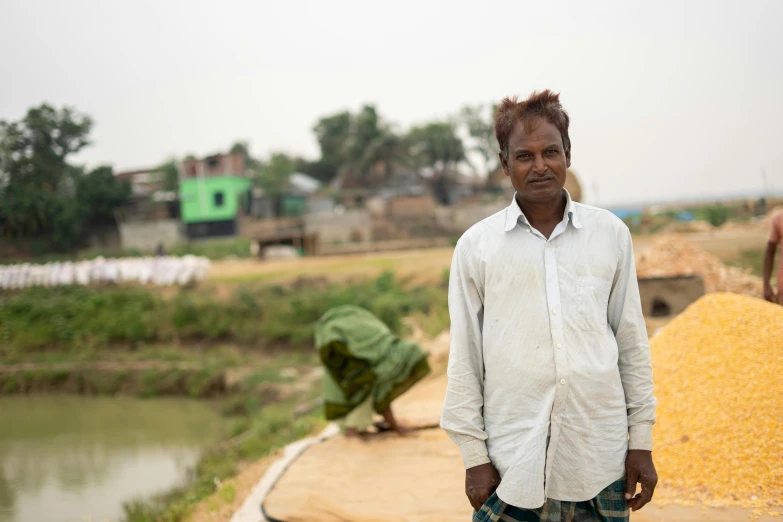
(551, 151)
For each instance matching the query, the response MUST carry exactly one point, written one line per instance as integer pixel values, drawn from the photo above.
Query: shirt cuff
(474, 453)
(640, 437)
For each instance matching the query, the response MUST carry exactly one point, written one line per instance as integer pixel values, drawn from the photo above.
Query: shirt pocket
(592, 302)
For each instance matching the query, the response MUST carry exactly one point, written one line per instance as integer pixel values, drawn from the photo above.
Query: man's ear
(503, 162)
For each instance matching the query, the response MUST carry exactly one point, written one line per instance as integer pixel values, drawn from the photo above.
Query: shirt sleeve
(462, 418)
(627, 322)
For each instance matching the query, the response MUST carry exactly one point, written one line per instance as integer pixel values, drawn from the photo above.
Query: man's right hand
(480, 482)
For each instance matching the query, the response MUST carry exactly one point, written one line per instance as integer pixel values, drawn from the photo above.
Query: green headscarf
(363, 357)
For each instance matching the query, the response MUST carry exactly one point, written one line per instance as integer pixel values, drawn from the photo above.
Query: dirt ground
(428, 265)
(332, 500)
(325, 486)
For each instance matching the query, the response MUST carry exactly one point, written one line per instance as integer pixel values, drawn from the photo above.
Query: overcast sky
(668, 99)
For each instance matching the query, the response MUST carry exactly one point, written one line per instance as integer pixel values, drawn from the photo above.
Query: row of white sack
(159, 271)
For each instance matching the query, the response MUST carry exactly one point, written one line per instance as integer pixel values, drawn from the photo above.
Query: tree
(98, 193)
(169, 175)
(33, 159)
(43, 196)
(480, 127)
(437, 146)
(252, 165)
(319, 169)
(333, 134)
(275, 174)
(356, 143)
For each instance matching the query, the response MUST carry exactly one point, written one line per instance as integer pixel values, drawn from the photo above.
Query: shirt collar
(513, 213)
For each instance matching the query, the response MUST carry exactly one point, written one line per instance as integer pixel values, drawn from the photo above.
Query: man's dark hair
(539, 105)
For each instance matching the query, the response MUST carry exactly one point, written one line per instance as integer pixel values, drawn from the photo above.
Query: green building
(209, 205)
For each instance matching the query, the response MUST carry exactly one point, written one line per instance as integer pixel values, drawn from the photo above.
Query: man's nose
(539, 167)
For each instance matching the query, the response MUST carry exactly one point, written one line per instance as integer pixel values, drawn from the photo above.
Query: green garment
(363, 357)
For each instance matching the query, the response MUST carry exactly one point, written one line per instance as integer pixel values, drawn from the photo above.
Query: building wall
(459, 219)
(411, 205)
(349, 227)
(212, 166)
(320, 205)
(200, 198)
(145, 235)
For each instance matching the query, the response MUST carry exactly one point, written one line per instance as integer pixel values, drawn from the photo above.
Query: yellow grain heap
(718, 371)
(674, 255)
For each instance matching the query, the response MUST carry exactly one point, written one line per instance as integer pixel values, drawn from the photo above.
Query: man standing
(550, 393)
(775, 237)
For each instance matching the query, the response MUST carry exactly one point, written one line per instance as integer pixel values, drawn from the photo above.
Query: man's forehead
(534, 129)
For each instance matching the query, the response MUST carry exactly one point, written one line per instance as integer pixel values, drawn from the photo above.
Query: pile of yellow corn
(718, 370)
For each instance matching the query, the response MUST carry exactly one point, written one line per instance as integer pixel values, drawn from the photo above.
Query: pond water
(77, 459)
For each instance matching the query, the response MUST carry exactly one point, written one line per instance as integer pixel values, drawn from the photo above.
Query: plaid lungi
(609, 506)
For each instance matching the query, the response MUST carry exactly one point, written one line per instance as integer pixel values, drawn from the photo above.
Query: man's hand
(639, 468)
(480, 482)
(769, 294)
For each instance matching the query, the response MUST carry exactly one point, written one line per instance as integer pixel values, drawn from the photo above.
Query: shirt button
(547, 244)
(554, 417)
(554, 312)
(562, 381)
(559, 345)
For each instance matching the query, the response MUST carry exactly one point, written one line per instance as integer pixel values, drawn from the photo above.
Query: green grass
(752, 260)
(257, 430)
(83, 320)
(262, 327)
(214, 249)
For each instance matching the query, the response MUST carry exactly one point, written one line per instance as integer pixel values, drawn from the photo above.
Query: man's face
(536, 161)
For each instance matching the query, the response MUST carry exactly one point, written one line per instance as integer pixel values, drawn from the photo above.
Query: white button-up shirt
(549, 370)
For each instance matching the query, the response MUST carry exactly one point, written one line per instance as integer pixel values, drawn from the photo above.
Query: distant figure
(160, 251)
(367, 367)
(775, 237)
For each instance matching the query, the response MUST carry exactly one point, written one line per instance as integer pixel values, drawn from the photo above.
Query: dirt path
(426, 266)
(339, 480)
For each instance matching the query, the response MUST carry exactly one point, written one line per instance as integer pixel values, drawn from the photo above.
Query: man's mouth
(541, 180)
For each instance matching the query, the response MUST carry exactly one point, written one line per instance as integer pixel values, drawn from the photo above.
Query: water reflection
(79, 459)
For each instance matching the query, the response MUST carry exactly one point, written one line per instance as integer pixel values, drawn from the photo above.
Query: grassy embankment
(251, 351)
(214, 249)
(752, 260)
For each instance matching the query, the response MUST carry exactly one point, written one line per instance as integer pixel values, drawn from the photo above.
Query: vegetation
(110, 379)
(214, 249)
(46, 200)
(268, 429)
(79, 319)
(752, 260)
(478, 121)
(717, 215)
(106, 340)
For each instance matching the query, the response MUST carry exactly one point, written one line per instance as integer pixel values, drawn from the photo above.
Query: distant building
(212, 192)
(148, 201)
(300, 197)
(143, 182)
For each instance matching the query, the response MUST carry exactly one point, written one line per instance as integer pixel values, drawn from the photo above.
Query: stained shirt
(549, 374)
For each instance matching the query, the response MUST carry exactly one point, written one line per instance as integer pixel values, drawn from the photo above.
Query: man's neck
(543, 213)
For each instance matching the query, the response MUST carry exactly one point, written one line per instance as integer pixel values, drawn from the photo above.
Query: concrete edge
(252, 510)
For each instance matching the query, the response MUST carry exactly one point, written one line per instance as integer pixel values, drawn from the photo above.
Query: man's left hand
(639, 468)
